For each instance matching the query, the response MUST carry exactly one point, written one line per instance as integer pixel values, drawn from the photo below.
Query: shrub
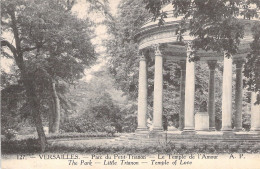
(195, 148)
(77, 135)
(226, 148)
(20, 146)
(110, 130)
(211, 149)
(83, 125)
(32, 146)
(79, 125)
(216, 147)
(255, 148)
(234, 148)
(61, 131)
(203, 147)
(10, 134)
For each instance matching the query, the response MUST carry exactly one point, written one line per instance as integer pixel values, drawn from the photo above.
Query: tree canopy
(49, 46)
(215, 25)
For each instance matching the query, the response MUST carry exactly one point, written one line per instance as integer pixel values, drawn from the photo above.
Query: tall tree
(47, 39)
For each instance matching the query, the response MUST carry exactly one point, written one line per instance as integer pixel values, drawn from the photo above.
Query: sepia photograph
(130, 84)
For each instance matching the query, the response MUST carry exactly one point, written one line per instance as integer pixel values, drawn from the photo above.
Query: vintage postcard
(130, 84)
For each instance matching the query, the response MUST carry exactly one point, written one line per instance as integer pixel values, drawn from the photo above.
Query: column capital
(189, 46)
(212, 64)
(157, 50)
(142, 57)
(182, 64)
(227, 54)
(239, 63)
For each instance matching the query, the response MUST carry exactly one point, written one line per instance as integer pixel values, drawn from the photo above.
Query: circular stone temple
(162, 41)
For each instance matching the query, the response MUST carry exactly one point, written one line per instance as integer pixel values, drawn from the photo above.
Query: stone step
(245, 139)
(190, 140)
(193, 138)
(180, 144)
(153, 141)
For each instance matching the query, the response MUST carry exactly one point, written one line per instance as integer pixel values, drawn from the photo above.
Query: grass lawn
(103, 143)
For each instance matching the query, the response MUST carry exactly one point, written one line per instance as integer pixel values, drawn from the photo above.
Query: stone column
(238, 95)
(182, 96)
(189, 91)
(158, 91)
(227, 95)
(142, 95)
(255, 113)
(211, 96)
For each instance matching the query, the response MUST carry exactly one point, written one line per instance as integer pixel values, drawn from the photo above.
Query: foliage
(122, 48)
(11, 117)
(62, 136)
(98, 106)
(129, 120)
(97, 111)
(10, 134)
(78, 135)
(80, 125)
(20, 146)
(111, 130)
(252, 66)
(31, 146)
(45, 34)
(159, 148)
(215, 25)
(123, 52)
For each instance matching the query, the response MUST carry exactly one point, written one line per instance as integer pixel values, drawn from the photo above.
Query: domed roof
(168, 9)
(151, 33)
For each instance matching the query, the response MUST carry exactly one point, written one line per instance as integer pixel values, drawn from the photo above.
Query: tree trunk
(51, 112)
(39, 128)
(56, 110)
(35, 106)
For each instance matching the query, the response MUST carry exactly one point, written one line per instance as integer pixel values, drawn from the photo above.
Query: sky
(102, 35)
(101, 32)
(80, 9)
